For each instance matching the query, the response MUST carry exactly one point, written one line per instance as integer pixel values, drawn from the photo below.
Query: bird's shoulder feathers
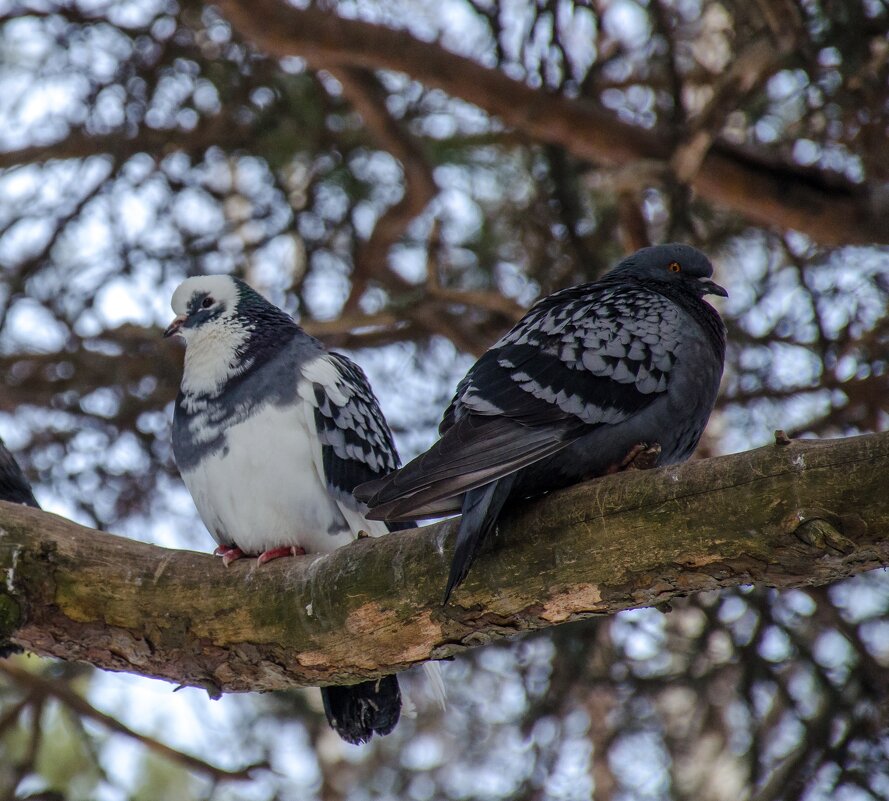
(357, 445)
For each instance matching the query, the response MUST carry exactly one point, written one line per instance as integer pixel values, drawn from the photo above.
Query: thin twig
(64, 694)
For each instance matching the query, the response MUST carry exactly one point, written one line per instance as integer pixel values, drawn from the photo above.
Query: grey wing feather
(475, 452)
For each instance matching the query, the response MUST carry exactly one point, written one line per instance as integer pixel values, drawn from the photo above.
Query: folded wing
(585, 357)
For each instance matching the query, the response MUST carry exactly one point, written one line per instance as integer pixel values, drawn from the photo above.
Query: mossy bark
(804, 513)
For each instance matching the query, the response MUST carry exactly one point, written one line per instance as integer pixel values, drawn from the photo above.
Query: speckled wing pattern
(587, 356)
(356, 442)
(593, 354)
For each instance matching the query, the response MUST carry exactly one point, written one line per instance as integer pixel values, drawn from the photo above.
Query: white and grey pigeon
(271, 433)
(591, 378)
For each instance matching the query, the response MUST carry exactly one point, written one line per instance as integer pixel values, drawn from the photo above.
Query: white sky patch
(326, 287)
(460, 216)
(23, 239)
(461, 30)
(513, 283)
(639, 761)
(143, 299)
(32, 328)
(138, 211)
(58, 505)
(410, 263)
(119, 303)
(626, 22)
(16, 185)
(571, 778)
(577, 30)
(187, 720)
(413, 391)
(423, 752)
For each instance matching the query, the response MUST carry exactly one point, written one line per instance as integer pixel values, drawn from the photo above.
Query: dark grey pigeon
(589, 379)
(271, 433)
(14, 487)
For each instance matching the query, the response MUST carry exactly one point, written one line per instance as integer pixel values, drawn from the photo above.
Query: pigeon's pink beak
(173, 328)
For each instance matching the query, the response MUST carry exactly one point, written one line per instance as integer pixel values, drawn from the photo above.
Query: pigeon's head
(677, 264)
(226, 326)
(206, 304)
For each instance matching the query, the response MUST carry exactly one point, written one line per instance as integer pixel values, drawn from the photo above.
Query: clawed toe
(229, 553)
(277, 553)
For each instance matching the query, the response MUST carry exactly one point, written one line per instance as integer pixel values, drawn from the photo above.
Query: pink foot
(229, 553)
(277, 553)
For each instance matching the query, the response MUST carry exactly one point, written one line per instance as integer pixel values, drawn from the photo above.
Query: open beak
(709, 287)
(173, 328)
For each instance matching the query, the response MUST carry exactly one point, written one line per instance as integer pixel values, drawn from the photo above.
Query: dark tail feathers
(358, 711)
(481, 508)
(14, 487)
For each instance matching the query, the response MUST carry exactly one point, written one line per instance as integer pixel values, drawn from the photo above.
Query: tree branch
(363, 91)
(831, 212)
(221, 131)
(800, 514)
(40, 687)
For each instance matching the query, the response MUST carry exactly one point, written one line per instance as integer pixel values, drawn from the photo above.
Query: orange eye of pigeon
(675, 267)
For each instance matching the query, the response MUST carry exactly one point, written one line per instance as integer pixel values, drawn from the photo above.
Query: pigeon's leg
(277, 553)
(642, 456)
(229, 553)
(645, 458)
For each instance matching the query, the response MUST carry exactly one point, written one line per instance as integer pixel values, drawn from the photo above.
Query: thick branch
(38, 378)
(219, 131)
(766, 194)
(805, 513)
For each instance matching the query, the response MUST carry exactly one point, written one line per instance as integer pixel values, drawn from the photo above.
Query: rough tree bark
(801, 513)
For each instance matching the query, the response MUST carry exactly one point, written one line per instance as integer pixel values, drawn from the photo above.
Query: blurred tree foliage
(406, 177)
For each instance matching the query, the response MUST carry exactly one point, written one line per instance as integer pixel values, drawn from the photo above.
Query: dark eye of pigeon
(207, 303)
(675, 267)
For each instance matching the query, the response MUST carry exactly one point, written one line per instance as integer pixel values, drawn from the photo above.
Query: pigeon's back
(646, 371)
(587, 373)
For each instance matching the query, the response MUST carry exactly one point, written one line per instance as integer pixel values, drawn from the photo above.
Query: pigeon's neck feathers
(646, 269)
(235, 344)
(696, 307)
(212, 358)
